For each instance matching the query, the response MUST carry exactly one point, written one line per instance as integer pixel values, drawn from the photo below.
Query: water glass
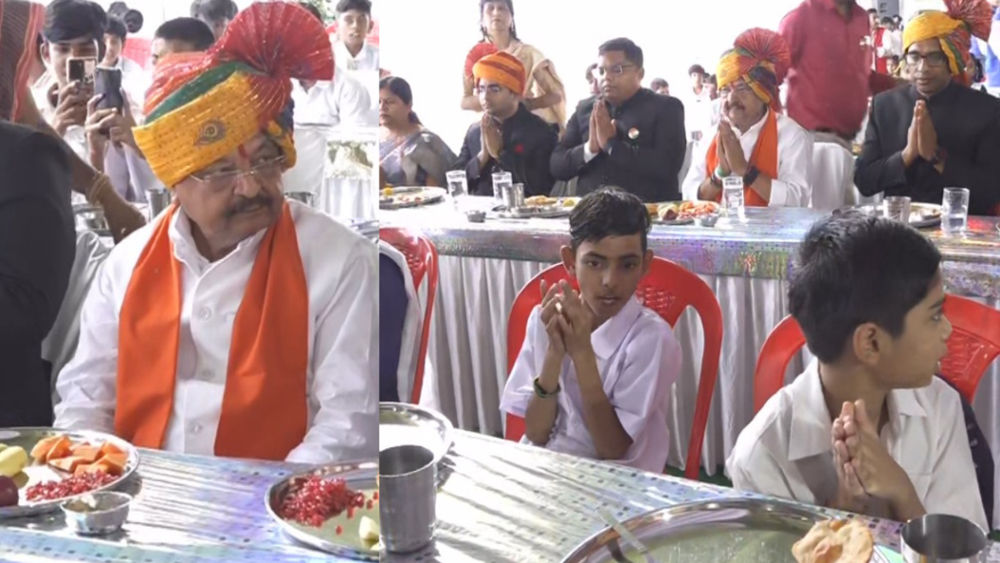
(458, 184)
(897, 208)
(501, 180)
(732, 196)
(407, 497)
(513, 196)
(936, 538)
(955, 211)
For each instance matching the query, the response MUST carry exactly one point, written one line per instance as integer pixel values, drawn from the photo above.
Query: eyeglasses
(934, 58)
(267, 169)
(739, 88)
(614, 70)
(491, 88)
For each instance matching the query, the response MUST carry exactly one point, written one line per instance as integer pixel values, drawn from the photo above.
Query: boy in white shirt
(867, 427)
(594, 373)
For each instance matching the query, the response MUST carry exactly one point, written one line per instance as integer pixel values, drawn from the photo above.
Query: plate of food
(407, 196)
(735, 529)
(402, 424)
(541, 206)
(40, 468)
(333, 508)
(683, 212)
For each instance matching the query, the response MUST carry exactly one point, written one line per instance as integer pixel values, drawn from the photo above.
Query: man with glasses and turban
(631, 138)
(238, 323)
(936, 132)
(508, 137)
(754, 141)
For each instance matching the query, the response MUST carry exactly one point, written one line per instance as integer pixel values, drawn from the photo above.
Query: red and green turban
(954, 29)
(761, 58)
(203, 106)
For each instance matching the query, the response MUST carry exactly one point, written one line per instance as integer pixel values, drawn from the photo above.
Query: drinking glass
(501, 180)
(897, 208)
(458, 184)
(955, 211)
(732, 197)
(407, 497)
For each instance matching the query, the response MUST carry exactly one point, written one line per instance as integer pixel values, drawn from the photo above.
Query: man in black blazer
(633, 139)
(508, 137)
(37, 245)
(933, 134)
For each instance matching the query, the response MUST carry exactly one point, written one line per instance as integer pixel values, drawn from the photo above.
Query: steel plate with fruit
(43, 467)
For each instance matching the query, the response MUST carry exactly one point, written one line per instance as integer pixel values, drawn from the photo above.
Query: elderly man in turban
(754, 141)
(237, 323)
(936, 132)
(508, 137)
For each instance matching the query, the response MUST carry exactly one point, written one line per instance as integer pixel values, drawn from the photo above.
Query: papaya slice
(115, 463)
(99, 465)
(109, 448)
(42, 447)
(68, 464)
(60, 449)
(88, 453)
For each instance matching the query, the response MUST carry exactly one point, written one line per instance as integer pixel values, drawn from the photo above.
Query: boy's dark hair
(697, 69)
(213, 10)
(189, 30)
(364, 6)
(117, 28)
(633, 53)
(658, 83)
(72, 19)
(853, 269)
(608, 212)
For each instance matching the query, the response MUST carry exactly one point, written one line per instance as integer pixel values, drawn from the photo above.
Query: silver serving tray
(430, 195)
(360, 476)
(536, 211)
(930, 216)
(404, 424)
(27, 437)
(738, 529)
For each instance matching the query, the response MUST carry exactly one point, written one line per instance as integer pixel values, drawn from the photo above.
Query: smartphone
(82, 70)
(108, 85)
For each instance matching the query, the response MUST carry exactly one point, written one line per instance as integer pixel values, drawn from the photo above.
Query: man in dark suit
(936, 132)
(634, 139)
(508, 137)
(37, 244)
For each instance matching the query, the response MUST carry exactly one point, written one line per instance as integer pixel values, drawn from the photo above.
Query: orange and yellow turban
(501, 68)
(761, 58)
(954, 29)
(203, 106)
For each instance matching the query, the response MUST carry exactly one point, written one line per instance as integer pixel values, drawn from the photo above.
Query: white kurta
(341, 273)
(795, 146)
(786, 450)
(638, 359)
(364, 68)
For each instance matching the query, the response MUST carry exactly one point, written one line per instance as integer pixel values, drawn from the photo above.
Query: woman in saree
(410, 154)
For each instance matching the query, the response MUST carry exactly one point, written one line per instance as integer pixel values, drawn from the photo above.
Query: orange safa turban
(501, 68)
(761, 58)
(954, 29)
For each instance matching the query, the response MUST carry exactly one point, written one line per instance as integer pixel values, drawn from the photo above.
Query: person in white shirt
(217, 14)
(180, 35)
(101, 137)
(697, 104)
(771, 152)
(867, 428)
(352, 52)
(594, 373)
(237, 324)
(134, 78)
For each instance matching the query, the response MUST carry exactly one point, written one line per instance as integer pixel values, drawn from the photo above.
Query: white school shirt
(364, 68)
(638, 358)
(786, 450)
(341, 274)
(795, 148)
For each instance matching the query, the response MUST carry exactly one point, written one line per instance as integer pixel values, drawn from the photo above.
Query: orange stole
(264, 410)
(764, 157)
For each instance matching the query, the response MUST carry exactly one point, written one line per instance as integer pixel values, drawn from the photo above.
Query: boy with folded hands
(594, 373)
(867, 427)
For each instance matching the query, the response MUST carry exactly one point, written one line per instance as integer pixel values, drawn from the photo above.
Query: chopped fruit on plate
(387, 192)
(12, 461)
(61, 448)
(42, 448)
(77, 484)
(540, 201)
(368, 531)
(67, 464)
(315, 499)
(8, 491)
(653, 208)
(88, 453)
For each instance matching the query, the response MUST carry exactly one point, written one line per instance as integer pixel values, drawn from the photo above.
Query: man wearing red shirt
(831, 76)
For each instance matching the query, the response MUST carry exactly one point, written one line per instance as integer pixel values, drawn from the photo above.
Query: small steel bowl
(97, 513)
(707, 220)
(476, 216)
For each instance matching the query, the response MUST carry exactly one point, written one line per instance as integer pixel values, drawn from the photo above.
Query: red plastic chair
(972, 347)
(667, 289)
(422, 258)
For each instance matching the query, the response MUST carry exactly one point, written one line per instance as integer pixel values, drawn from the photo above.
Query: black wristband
(542, 393)
(751, 176)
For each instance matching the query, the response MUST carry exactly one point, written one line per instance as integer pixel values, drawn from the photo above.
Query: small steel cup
(407, 497)
(97, 513)
(897, 208)
(513, 196)
(158, 201)
(943, 538)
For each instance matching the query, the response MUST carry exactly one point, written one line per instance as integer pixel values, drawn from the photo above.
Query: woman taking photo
(544, 93)
(410, 155)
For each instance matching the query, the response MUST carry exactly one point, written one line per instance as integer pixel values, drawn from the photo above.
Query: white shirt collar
(610, 335)
(754, 129)
(187, 252)
(809, 434)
